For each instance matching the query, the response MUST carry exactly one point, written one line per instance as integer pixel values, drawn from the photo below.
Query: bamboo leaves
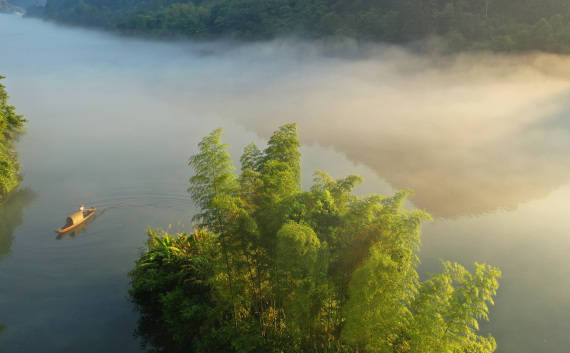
(278, 269)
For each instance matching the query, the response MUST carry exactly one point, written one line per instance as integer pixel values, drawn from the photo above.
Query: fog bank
(468, 133)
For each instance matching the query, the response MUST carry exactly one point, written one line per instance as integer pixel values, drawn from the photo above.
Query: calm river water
(484, 142)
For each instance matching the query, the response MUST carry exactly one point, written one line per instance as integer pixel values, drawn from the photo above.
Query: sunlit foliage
(273, 268)
(10, 123)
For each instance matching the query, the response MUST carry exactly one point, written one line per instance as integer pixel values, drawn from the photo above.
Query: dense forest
(19, 6)
(10, 125)
(502, 25)
(28, 3)
(8, 7)
(273, 268)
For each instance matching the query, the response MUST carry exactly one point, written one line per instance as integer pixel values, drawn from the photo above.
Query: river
(483, 140)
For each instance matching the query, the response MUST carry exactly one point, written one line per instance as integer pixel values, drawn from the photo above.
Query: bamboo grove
(275, 268)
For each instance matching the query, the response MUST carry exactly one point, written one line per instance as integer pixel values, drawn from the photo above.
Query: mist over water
(483, 140)
(468, 134)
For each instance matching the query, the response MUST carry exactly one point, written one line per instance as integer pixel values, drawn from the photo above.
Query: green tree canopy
(502, 25)
(274, 268)
(10, 124)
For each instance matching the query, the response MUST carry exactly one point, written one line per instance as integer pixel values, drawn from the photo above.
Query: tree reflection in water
(11, 216)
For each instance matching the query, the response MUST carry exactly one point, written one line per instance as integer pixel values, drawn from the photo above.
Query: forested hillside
(502, 25)
(27, 3)
(7, 7)
(19, 6)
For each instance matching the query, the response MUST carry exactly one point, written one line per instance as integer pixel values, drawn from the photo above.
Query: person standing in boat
(82, 209)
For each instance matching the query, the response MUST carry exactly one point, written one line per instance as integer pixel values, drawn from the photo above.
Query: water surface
(483, 141)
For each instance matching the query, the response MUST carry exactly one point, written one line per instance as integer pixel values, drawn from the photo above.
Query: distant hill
(20, 6)
(28, 3)
(7, 7)
(501, 25)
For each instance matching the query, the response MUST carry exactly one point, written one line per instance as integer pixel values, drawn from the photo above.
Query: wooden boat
(77, 219)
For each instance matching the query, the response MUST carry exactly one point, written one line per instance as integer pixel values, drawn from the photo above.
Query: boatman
(81, 208)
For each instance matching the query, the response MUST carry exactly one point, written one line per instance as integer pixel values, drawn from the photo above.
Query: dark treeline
(502, 25)
(273, 268)
(18, 6)
(27, 3)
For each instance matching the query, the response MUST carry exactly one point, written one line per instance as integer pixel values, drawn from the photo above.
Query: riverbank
(11, 125)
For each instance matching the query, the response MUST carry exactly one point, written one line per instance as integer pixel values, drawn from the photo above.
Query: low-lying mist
(468, 133)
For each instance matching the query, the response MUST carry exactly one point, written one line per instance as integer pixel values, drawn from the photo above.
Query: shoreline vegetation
(11, 125)
(273, 268)
(491, 25)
